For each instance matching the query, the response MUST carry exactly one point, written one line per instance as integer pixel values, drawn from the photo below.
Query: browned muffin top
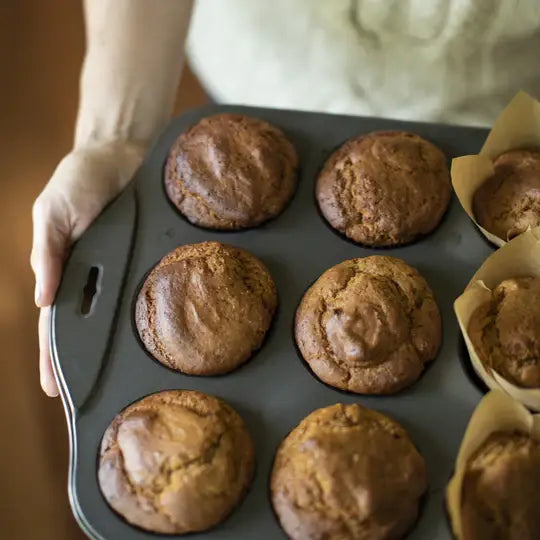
(508, 202)
(505, 331)
(230, 171)
(205, 308)
(385, 188)
(347, 472)
(369, 325)
(176, 462)
(500, 498)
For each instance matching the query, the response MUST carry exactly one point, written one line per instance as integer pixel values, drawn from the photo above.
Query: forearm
(134, 58)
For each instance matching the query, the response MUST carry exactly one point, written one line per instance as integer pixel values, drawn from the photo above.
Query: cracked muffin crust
(369, 325)
(230, 171)
(347, 472)
(205, 308)
(508, 202)
(176, 462)
(500, 489)
(385, 188)
(505, 332)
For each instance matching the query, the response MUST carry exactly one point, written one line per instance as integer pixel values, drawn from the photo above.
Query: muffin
(500, 489)
(384, 188)
(230, 171)
(205, 308)
(369, 325)
(508, 202)
(176, 462)
(505, 331)
(347, 472)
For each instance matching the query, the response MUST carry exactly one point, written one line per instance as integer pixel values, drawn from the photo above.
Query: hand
(84, 182)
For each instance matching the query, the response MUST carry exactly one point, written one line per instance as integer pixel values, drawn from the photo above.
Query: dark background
(41, 50)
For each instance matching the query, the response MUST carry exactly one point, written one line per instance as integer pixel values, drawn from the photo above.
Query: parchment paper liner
(518, 126)
(495, 412)
(518, 258)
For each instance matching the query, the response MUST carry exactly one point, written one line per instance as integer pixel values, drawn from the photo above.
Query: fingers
(48, 252)
(82, 184)
(48, 382)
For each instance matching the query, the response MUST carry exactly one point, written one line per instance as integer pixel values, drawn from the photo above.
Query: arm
(129, 79)
(131, 71)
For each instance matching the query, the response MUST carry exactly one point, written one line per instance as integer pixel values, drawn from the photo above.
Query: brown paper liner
(518, 126)
(518, 258)
(495, 412)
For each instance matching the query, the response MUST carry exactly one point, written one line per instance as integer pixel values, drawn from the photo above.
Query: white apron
(453, 61)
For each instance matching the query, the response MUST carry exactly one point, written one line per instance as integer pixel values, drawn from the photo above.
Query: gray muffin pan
(102, 367)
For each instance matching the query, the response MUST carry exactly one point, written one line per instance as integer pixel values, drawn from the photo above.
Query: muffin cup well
(495, 412)
(518, 258)
(518, 126)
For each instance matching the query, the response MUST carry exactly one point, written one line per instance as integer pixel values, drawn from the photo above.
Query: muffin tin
(102, 367)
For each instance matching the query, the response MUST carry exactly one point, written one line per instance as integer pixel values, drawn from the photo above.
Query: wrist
(126, 156)
(93, 174)
(87, 178)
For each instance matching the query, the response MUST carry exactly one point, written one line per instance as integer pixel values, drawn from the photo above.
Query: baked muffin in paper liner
(517, 127)
(496, 413)
(516, 259)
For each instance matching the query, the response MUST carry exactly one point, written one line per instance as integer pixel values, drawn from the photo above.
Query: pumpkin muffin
(500, 489)
(505, 331)
(231, 171)
(205, 308)
(508, 202)
(349, 473)
(385, 188)
(369, 325)
(176, 462)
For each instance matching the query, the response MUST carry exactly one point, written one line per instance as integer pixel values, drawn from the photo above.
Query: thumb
(49, 248)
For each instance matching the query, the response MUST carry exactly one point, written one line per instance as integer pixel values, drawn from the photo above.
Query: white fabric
(455, 61)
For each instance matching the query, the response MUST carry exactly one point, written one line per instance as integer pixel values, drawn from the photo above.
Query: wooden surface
(41, 48)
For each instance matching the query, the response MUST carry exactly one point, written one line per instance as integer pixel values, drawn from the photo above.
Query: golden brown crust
(205, 308)
(369, 325)
(176, 462)
(347, 473)
(508, 202)
(505, 331)
(230, 171)
(384, 188)
(500, 499)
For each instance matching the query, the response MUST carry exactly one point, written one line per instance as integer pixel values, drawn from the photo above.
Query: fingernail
(37, 295)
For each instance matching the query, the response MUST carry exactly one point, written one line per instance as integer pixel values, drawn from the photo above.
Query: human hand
(84, 182)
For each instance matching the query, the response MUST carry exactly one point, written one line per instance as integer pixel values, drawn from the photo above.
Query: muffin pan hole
(91, 290)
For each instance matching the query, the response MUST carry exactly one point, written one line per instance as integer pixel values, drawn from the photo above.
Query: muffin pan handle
(83, 328)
